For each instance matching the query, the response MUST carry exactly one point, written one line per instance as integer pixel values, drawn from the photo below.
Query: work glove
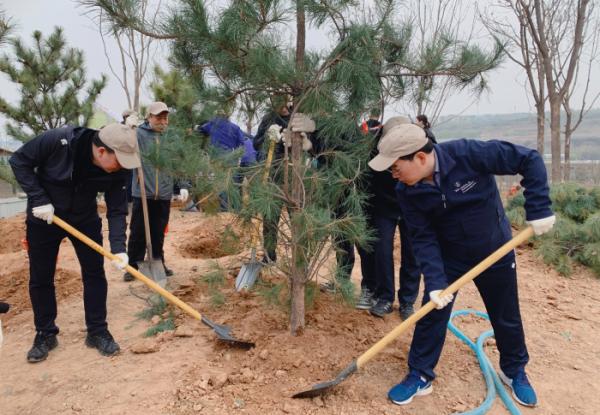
(440, 301)
(541, 226)
(302, 123)
(132, 120)
(183, 195)
(287, 140)
(44, 212)
(274, 133)
(121, 261)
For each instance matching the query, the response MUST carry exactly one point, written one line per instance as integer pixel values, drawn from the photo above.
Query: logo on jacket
(464, 188)
(64, 141)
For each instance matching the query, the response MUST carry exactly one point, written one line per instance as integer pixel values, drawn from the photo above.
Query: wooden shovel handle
(142, 183)
(451, 289)
(151, 284)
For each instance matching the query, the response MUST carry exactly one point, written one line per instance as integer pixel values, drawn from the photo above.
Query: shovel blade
(154, 269)
(323, 387)
(224, 334)
(248, 275)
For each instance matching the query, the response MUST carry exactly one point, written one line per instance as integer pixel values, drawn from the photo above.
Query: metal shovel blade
(321, 388)
(155, 269)
(248, 273)
(224, 334)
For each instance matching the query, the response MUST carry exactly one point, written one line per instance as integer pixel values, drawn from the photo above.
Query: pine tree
(247, 48)
(51, 79)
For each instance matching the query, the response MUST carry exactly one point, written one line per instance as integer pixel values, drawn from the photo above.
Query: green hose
(492, 381)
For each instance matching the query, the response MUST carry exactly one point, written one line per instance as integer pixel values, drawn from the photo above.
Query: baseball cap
(394, 121)
(127, 113)
(122, 140)
(399, 141)
(157, 107)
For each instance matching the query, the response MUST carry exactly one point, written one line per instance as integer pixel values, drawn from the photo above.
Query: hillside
(520, 128)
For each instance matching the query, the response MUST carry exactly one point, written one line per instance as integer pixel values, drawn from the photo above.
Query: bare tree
(135, 53)
(522, 50)
(557, 28)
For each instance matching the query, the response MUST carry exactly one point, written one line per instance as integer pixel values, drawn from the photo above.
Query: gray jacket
(159, 184)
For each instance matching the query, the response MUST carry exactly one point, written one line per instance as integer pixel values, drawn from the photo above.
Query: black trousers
(410, 272)
(498, 289)
(158, 214)
(44, 241)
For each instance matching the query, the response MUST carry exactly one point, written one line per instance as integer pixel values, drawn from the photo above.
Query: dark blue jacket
(223, 133)
(44, 169)
(457, 224)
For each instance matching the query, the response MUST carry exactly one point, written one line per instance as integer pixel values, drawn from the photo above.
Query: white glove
(121, 261)
(302, 123)
(306, 143)
(184, 194)
(541, 226)
(287, 140)
(44, 212)
(274, 133)
(132, 120)
(439, 301)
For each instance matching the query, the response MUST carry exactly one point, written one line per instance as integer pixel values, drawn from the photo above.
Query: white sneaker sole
(506, 380)
(420, 392)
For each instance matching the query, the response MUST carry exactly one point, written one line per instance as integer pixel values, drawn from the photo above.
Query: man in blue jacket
(62, 171)
(452, 207)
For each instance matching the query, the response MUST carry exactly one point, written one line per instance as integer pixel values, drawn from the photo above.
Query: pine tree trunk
(555, 139)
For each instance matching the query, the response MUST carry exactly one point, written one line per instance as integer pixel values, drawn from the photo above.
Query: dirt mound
(14, 288)
(216, 237)
(12, 232)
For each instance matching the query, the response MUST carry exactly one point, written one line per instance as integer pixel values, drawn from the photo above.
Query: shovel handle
(451, 289)
(151, 284)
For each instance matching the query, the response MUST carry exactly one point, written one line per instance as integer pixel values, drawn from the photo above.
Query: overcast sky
(507, 92)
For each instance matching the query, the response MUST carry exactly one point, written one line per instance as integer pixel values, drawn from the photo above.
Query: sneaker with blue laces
(522, 390)
(412, 385)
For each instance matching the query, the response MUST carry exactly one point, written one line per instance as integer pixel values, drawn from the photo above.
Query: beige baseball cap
(398, 141)
(394, 121)
(122, 139)
(157, 107)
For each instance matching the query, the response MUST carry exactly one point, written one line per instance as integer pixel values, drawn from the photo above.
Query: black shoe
(168, 272)
(104, 342)
(127, 277)
(381, 308)
(42, 344)
(406, 310)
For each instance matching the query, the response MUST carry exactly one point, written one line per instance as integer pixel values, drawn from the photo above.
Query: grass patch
(165, 324)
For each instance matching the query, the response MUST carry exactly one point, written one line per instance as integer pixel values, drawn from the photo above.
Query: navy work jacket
(458, 221)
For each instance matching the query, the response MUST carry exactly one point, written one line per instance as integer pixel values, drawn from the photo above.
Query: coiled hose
(492, 381)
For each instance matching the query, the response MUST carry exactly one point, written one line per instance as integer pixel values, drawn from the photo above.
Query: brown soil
(12, 234)
(197, 374)
(215, 237)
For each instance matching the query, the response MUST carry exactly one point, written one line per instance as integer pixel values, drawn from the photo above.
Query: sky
(507, 92)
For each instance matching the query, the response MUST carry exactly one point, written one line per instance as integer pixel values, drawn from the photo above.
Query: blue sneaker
(522, 390)
(412, 385)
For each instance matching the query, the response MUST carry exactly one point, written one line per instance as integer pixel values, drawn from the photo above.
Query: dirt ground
(188, 372)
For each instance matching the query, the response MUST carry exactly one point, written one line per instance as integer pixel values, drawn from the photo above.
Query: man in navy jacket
(62, 171)
(452, 207)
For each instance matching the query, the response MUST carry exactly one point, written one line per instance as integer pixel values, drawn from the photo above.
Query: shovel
(250, 270)
(151, 266)
(223, 332)
(321, 388)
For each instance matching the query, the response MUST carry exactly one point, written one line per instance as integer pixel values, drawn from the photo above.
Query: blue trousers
(498, 289)
(410, 272)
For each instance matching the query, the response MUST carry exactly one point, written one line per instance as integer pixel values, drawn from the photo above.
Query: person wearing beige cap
(62, 171)
(448, 196)
(159, 186)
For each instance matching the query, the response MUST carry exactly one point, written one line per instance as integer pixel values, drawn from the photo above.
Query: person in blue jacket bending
(448, 196)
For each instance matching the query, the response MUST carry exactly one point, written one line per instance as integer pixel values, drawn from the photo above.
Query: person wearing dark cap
(159, 186)
(386, 218)
(454, 214)
(62, 171)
